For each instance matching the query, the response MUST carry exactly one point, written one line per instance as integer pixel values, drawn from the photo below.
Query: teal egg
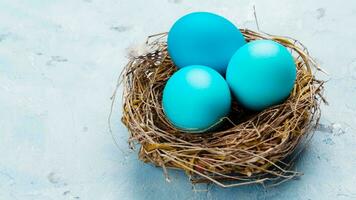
(203, 38)
(196, 98)
(261, 74)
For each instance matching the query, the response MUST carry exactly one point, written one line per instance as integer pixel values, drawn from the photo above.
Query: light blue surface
(203, 38)
(196, 98)
(261, 74)
(59, 61)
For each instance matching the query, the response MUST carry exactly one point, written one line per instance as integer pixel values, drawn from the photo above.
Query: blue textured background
(59, 61)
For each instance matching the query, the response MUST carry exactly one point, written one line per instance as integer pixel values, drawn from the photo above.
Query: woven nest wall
(248, 148)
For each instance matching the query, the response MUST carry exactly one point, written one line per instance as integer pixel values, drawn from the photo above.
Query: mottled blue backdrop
(59, 60)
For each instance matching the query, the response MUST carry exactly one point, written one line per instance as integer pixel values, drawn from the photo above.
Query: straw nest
(248, 148)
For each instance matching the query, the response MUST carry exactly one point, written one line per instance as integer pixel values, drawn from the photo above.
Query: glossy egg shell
(203, 38)
(261, 74)
(196, 98)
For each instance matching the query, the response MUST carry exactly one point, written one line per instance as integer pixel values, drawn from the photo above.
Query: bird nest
(249, 147)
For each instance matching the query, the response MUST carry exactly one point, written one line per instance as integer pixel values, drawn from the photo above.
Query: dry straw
(248, 148)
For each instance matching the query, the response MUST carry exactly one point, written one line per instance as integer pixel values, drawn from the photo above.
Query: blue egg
(203, 38)
(261, 74)
(196, 98)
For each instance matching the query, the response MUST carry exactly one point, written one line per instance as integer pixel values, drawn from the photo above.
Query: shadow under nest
(247, 148)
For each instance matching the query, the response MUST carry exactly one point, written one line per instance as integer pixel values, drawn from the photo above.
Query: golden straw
(248, 148)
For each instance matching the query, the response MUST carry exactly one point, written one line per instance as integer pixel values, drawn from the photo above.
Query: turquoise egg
(196, 98)
(203, 38)
(261, 74)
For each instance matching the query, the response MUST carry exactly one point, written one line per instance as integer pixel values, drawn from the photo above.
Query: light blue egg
(196, 98)
(261, 74)
(203, 38)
